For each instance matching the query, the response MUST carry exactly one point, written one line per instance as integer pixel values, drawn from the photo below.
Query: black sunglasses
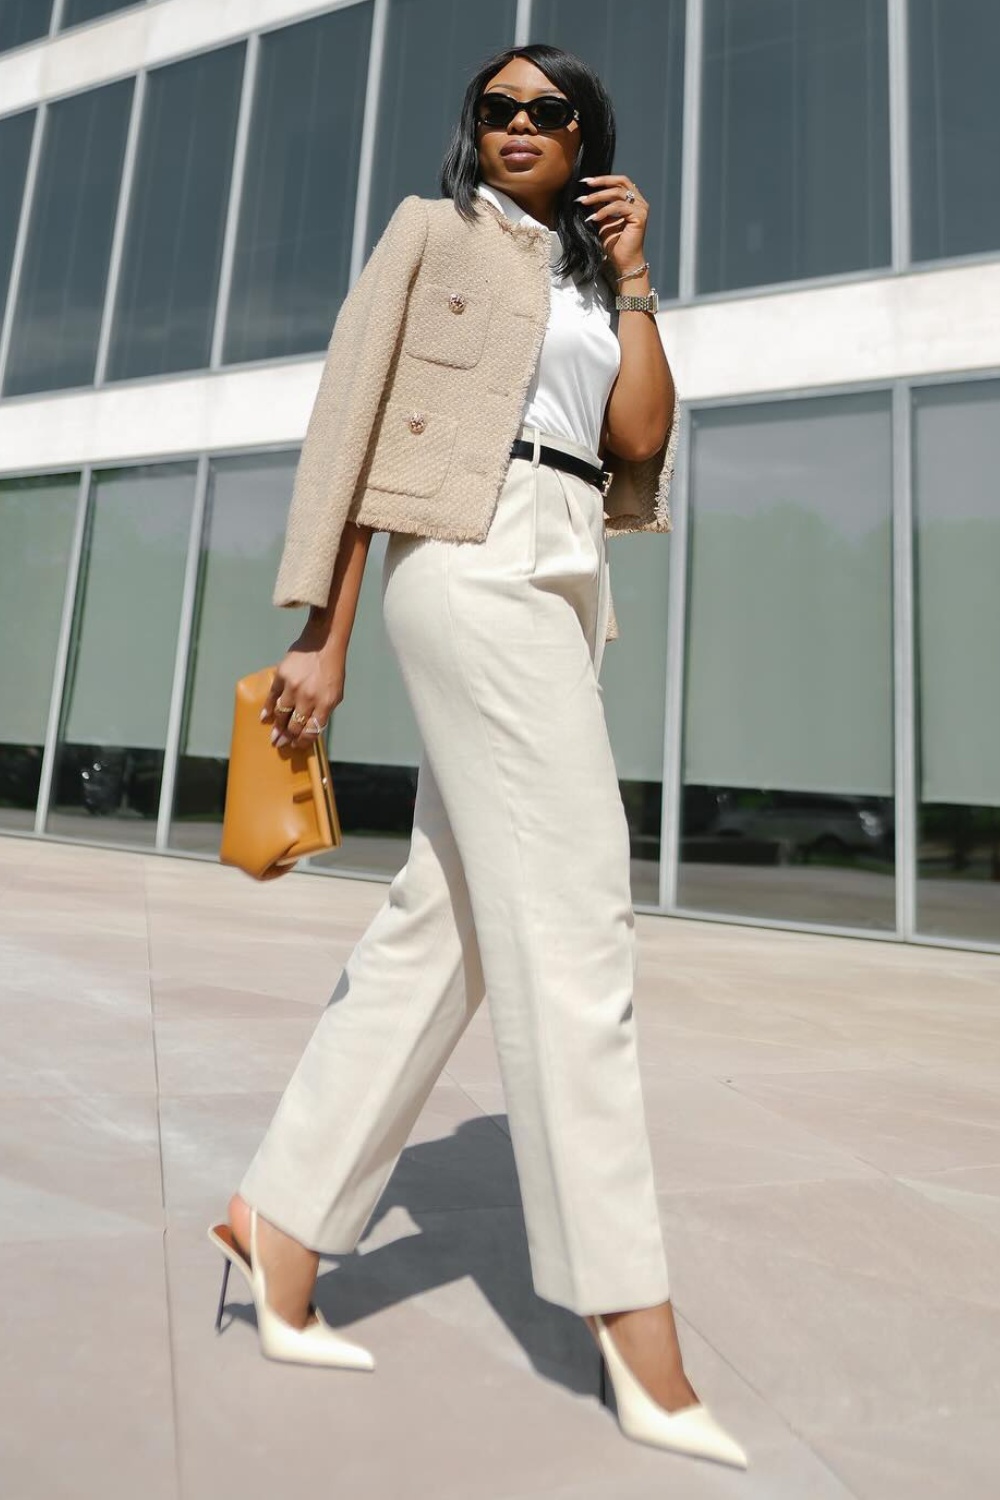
(546, 112)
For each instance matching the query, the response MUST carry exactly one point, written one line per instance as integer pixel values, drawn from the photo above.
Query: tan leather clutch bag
(279, 803)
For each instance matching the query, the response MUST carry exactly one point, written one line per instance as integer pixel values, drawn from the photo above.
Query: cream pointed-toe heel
(690, 1429)
(315, 1344)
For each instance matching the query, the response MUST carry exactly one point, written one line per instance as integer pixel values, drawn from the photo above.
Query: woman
(473, 381)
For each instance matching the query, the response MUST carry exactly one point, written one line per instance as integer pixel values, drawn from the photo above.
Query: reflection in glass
(37, 517)
(787, 805)
(23, 21)
(173, 244)
(432, 49)
(293, 248)
(633, 676)
(375, 803)
(237, 629)
(76, 12)
(954, 127)
(57, 319)
(957, 514)
(117, 698)
(637, 49)
(15, 144)
(794, 141)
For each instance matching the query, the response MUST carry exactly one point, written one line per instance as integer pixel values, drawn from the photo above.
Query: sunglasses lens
(496, 110)
(551, 113)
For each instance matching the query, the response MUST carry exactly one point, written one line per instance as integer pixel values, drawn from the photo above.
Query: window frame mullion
(117, 256)
(39, 131)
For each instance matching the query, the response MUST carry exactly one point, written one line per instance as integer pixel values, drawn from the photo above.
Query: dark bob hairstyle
(583, 252)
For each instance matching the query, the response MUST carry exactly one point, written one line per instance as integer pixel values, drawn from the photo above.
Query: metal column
(189, 599)
(118, 234)
(236, 181)
(366, 158)
(903, 660)
(63, 647)
(673, 715)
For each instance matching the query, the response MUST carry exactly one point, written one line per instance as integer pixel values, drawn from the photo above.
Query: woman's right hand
(306, 687)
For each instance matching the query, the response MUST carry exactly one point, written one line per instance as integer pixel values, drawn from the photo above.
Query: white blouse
(580, 356)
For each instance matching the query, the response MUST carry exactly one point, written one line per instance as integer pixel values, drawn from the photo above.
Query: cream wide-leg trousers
(516, 886)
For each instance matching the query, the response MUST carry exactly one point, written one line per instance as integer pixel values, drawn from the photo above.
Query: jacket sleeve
(350, 390)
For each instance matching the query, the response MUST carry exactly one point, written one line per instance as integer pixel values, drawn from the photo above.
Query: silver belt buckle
(607, 475)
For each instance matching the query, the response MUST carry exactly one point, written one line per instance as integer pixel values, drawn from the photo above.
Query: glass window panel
(15, 145)
(57, 319)
(957, 514)
(794, 141)
(173, 246)
(637, 48)
(432, 49)
(954, 127)
(633, 676)
(237, 629)
(76, 12)
(117, 698)
(23, 21)
(788, 751)
(37, 517)
(374, 747)
(293, 248)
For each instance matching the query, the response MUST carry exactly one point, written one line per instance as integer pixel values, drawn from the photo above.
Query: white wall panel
(866, 330)
(239, 409)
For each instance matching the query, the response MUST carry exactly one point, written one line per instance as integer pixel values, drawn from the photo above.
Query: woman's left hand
(621, 225)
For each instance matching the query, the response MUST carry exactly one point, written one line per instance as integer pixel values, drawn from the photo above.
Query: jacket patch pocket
(446, 323)
(412, 452)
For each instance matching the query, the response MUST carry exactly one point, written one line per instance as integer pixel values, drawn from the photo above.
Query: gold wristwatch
(649, 303)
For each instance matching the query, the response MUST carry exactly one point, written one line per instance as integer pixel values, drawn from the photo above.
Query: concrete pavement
(825, 1121)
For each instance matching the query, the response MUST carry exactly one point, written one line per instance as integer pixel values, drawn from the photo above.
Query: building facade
(805, 698)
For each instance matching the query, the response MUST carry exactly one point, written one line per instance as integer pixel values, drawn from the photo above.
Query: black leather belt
(556, 459)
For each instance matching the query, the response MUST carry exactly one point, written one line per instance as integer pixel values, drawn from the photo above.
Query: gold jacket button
(456, 302)
(417, 422)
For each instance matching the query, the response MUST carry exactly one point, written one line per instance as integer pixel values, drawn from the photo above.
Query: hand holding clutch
(279, 802)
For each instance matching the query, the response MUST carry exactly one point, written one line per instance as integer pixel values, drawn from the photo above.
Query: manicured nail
(282, 740)
(263, 715)
(591, 216)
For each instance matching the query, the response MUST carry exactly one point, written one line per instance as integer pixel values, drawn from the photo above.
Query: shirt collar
(517, 215)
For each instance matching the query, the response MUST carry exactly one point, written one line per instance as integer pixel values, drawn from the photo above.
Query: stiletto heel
(222, 1297)
(315, 1344)
(603, 1385)
(690, 1429)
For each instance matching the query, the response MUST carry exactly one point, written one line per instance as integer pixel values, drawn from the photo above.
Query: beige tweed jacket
(422, 393)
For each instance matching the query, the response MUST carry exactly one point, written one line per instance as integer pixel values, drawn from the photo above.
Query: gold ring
(282, 708)
(298, 718)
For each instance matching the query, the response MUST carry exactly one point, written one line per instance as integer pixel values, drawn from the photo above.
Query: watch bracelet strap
(632, 304)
